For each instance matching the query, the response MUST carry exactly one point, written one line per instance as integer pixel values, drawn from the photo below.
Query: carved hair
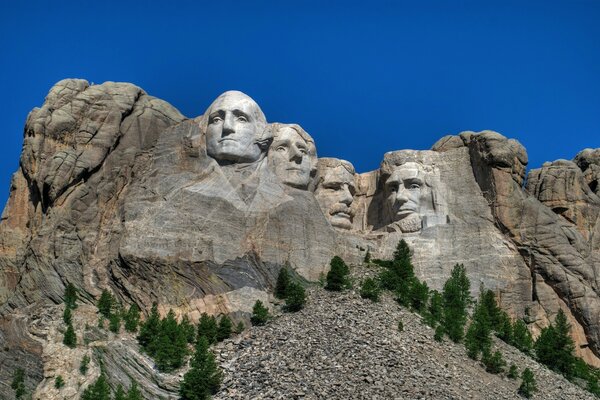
(326, 163)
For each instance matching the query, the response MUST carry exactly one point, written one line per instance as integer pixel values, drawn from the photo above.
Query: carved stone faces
(292, 155)
(334, 191)
(235, 129)
(404, 191)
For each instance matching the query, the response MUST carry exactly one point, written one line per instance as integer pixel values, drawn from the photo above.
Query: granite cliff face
(116, 189)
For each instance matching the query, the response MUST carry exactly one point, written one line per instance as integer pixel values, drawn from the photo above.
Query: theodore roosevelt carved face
(334, 191)
(292, 155)
(235, 129)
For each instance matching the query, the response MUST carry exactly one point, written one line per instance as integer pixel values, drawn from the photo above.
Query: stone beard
(292, 155)
(235, 129)
(335, 188)
(406, 195)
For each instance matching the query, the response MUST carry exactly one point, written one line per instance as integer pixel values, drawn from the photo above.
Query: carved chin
(411, 223)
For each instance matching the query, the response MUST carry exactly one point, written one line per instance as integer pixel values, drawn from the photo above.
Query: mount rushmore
(116, 189)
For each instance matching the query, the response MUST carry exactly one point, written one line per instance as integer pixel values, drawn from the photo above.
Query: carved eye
(393, 187)
(303, 151)
(414, 186)
(242, 118)
(215, 120)
(281, 148)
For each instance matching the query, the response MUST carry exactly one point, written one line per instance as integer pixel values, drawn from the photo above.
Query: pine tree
(59, 382)
(203, 378)
(134, 392)
(105, 303)
(370, 290)
(70, 339)
(419, 295)
(283, 281)
(521, 337)
(337, 276)
(114, 322)
(224, 329)
(456, 299)
(435, 309)
(207, 327)
(71, 296)
(83, 365)
(18, 383)
(504, 331)
(149, 329)
(402, 251)
(439, 333)
(494, 363)
(120, 393)
(170, 347)
(555, 348)
(488, 301)
(478, 339)
(188, 329)
(260, 314)
(239, 327)
(99, 390)
(296, 297)
(132, 318)
(67, 316)
(513, 372)
(528, 385)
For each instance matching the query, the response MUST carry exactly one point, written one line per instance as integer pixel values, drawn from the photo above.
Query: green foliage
(283, 281)
(260, 314)
(494, 363)
(71, 296)
(105, 303)
(439, 333)
(207, 327)
(513, 372)
(419, 295)
(18, 383)
(59, 382)
(170, 347)
(114, 322)
(99, 390)
(521, 338)
(400, 326)
(456, 299)
(478, 339)
(188, 329)
(132, 318)
(149, 328)
(70, 339)
(504, 329)
(67, 316)
(370, 290)
(435, 309)
(398, 275)
(134, 392)
(402, 251)
(203, 378)
(120, 393)
(367, 258)
(555, 348)
(528, 385)
(240, 327)
(224, 329)
(296, 297)
(337, 277)
(488, 301)
(84, 364)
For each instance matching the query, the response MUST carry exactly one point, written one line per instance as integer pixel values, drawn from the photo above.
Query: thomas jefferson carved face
(234, 129)
(292, 155)
(335, 191)
(405, 195)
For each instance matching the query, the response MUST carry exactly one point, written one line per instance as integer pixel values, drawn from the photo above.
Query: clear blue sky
(362, 79)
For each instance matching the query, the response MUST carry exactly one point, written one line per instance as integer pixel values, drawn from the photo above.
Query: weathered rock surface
(116, 189)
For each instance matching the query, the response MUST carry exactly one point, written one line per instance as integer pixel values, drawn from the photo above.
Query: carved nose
(401, 195)
(295, 154)
(228, 127)
(346, 196)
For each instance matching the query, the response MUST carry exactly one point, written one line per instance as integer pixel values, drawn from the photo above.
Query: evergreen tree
(239, 327)
(170, 347)
(456, 299)
(521, 337)
(337, 276)
(296, 297)
(488, 301)
(70, 339)
(149, 328)
(203, 378)
(555, 347)
(528, 385)
(224, 329)
(494, 363)
(67, 316)
(439, 333)
(188, 329)
(99, 390)
(207, 327)
(402, 252)
(435, 309)
(83, 365)
(370, 290)
(132, 318)
(71, 296)
(260, 314)
(504, 330)
(59, 382)
(18, 383)
(134, 392)
(478, 339)
(114, 322)
(105, 303)
(419, 295)
(283, 281)
(120, 393)
(513, 372)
